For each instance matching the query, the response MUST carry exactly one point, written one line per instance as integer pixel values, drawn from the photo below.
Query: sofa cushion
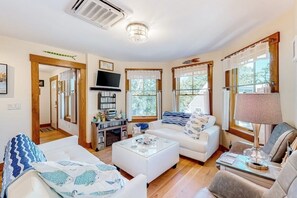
(279, 149)
(184, 140)
(195, 125)
(177, 118)
(77, 179)
(71, 152)
(277, 131)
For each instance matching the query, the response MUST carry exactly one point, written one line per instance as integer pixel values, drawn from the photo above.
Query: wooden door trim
(53, 78)
(35, 61)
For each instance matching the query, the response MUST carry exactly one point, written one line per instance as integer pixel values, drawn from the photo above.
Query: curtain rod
(272, 38)
(267, 83)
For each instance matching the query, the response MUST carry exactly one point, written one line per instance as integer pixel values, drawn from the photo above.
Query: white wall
(295, 64)
(287, 74)
(44, 98)
(119, 67)
(15, 53)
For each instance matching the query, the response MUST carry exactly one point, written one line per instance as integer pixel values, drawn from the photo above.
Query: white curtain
(191, 71)
(143, 74)
(173, 100)
(129, 106)
(226, 104)
(200, 101)
(159, 105)
(251, 54)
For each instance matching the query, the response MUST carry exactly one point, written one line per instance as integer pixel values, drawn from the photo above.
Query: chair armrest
(135, 188)
(226, 184)
(239, 147)
(155, 124)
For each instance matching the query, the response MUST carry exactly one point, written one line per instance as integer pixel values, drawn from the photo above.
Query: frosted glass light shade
(258, 108)
(137, 32)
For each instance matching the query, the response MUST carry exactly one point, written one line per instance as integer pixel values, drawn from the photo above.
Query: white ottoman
(151, 160)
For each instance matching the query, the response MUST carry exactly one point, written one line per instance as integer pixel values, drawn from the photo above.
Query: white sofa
(30, 185)
(199, 150)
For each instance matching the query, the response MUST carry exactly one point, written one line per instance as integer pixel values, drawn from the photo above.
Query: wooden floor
(182, 182)
(51, 136)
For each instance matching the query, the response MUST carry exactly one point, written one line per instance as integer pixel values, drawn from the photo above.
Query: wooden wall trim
(1, 167)
(35, 61)
(272, 39)
(35, 102)
(56, 62)
(45, 125)
(193, 65)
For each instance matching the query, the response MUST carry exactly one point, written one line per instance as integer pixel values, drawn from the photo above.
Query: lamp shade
(258, 108)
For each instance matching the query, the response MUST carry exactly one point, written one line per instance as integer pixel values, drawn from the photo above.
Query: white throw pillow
(77, 179)
(196, 124)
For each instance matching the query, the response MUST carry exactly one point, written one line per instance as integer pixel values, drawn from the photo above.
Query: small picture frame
(105, 65)
(3, 78)
(41, 83)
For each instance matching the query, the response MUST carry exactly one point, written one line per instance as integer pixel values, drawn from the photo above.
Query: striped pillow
(177, 118)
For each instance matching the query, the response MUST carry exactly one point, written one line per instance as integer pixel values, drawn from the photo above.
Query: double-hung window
(143, 88)
(251, 70)
(192, 87)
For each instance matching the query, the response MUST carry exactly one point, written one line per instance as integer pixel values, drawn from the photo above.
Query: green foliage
(144, 97)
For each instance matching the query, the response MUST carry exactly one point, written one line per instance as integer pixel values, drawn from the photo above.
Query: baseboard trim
(64, 132)
(223, 149)
(45, 125)
(1, 167)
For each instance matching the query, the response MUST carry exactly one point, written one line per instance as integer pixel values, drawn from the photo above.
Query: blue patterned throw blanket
(20, 152)
(177, 118)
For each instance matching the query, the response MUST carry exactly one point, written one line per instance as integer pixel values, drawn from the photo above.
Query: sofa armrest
(226, 184)
(155, 124)
(54, 145)
(135, 188)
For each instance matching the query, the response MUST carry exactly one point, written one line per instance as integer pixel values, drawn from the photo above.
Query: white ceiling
(178, 28)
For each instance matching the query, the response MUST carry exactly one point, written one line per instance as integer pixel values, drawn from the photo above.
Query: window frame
(273, 41)
(158, 89)
(209, 79)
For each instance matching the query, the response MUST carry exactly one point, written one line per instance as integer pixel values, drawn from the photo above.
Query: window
(144, 97)
(143, 94)
(255, 69)
(192, 87)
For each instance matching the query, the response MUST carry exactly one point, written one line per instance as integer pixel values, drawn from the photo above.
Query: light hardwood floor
(182, 182)
(51, 136)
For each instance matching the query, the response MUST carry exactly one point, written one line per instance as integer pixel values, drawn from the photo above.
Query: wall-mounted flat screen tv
(108, 79)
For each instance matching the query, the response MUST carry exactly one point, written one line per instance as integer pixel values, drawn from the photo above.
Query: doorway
(35, 62)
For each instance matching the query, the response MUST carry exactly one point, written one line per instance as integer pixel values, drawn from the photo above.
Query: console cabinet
(106, 133)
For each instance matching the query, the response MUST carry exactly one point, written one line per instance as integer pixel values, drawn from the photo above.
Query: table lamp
(257, 109)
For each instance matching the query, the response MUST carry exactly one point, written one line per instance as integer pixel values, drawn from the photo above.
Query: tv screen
(108, 79)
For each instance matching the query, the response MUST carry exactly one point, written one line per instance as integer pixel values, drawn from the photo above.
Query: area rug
(46, 129)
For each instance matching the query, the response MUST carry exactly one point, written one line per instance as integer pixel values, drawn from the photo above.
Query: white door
(54, 102)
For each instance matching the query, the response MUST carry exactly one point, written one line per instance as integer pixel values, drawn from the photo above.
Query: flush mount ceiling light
(137, 32)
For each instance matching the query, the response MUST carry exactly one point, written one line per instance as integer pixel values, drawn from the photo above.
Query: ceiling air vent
(98, 12)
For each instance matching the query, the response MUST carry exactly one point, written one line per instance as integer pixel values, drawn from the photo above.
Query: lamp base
(257, 159)
(257, 166)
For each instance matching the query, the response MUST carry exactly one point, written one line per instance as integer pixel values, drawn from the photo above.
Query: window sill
(143, 119)
(241, 133)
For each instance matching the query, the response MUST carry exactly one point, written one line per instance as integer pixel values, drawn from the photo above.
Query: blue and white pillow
(77, 179)
(196, 124)
(177, 118)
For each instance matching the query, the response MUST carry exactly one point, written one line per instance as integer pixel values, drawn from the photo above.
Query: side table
(264, 178)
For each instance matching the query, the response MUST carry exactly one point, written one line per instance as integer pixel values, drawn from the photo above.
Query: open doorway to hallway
(58, 102)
